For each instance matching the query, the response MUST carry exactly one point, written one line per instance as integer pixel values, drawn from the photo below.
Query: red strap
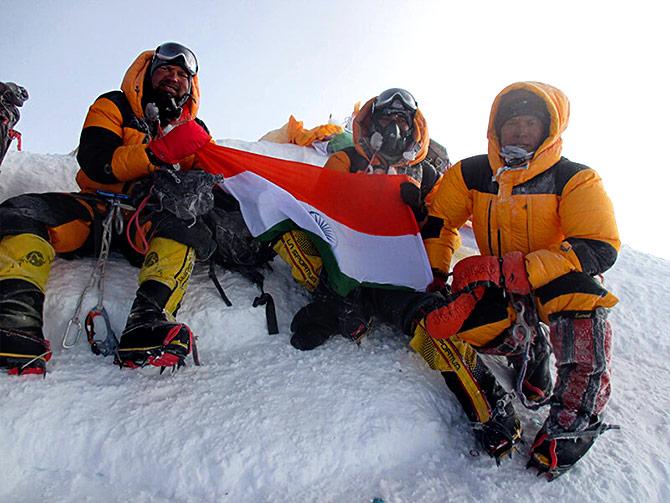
(538, 442)
(13, 133)
(138, 228)
(172, 333)
(551, 449)
(552, 454)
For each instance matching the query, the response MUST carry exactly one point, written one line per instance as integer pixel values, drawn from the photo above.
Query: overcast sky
(264, 60)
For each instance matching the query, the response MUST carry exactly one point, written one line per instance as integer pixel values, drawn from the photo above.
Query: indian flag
(364, 232)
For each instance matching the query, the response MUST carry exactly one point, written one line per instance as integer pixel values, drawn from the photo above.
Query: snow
(261, 421)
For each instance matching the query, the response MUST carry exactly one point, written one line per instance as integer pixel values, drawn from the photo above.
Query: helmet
(172, 53)
(389, 110)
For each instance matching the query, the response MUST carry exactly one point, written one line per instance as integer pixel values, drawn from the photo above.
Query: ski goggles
(386, 100)
(171, 52)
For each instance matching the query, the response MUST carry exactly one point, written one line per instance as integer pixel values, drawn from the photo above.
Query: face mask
(394, 142)
(515, 156)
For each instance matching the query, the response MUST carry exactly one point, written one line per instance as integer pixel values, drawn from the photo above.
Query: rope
(525, 308)
(113, 221)
(139, 232)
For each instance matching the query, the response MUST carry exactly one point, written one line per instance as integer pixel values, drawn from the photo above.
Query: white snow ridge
(260, 421)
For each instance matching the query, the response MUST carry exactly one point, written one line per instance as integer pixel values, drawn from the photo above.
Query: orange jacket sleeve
(105, 155)
(452, 204)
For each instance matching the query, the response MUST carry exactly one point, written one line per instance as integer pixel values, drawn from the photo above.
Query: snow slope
(261, 421)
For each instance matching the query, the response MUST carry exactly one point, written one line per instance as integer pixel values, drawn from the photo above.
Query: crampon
(497, 442)
(554, 454)
(499, 436)
(171, 353)
(22, 353)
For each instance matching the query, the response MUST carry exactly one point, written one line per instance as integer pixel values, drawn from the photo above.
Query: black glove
(12, 94)
(355, 316)
(411, 196)
(439, 283)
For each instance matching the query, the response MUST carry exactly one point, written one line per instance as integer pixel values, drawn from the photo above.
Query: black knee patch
(197, 236)
(35, 213)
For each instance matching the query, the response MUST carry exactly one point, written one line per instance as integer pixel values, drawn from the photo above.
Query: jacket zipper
(495, 177)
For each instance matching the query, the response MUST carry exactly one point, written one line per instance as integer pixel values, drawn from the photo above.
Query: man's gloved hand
(508, 273)
(411, 196)
(476, 270)
(515, 277)
(180, 142)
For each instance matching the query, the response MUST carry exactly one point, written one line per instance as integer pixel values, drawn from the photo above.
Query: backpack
(238, 251)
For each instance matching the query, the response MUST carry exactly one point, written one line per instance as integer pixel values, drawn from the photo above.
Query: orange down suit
(113, 120)
(112, 155)
(553, 210)
(113, 148)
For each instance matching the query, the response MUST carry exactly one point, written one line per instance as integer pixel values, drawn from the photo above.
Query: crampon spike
(164, 360)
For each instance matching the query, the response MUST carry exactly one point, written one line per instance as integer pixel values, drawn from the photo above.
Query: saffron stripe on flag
(366, 203)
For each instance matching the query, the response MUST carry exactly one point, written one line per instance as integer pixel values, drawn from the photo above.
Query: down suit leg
(33, 227)
(575, 308)
(487, 405)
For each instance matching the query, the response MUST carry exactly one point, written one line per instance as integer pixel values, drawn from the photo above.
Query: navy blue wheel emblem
(325, 227)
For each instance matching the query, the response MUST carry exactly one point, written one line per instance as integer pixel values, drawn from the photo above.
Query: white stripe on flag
(392, 260)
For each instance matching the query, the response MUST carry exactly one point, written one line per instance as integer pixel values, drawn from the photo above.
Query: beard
(166, 98)
(168, 88)
(169, 108)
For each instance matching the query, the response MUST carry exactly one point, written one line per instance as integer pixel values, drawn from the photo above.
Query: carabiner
(109, 344)
(73, 321)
